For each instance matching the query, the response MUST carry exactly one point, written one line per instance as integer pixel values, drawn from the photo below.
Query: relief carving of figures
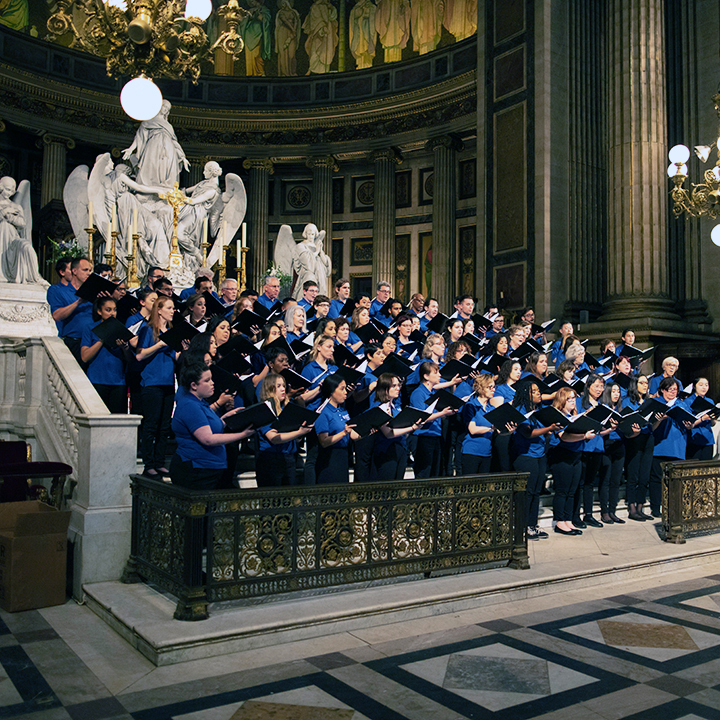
(321, 27)
(257, 35)
(392, 21)
(18, 260)
(363, 35)
(287, 37)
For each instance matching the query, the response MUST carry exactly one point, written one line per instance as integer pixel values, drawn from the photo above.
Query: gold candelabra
(133, 281)
(221, 268)
(110, 257)
(204, 246)
(176, 198)
(241, 272)
(91, 245)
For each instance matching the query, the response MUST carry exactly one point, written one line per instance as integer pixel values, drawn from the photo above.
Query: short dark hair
(428, 300)
(75, 262)
(200, 280)
(272, 353)
(103, 267)
(161, 283)
(308, 284)
(667, 383)
(62, 263)
(144, 292)
(99, 304)
(153, 268)
(191, 373)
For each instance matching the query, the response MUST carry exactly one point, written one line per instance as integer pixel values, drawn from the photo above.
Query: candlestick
(90, 214)
(91, 248)
(134, 222)
(110, 257)
(133, 281)
(113, 221)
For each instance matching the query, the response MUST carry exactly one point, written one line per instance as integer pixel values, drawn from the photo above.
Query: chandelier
(146, 39)
(702, 198)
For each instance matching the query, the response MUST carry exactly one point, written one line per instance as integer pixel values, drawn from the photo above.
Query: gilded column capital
(322, 161)
(450, 142)
(389, 154)
(50, 139)
(260, 164)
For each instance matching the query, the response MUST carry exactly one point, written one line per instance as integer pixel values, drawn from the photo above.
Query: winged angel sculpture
(303, 260)
(110, 186)
(18, 260)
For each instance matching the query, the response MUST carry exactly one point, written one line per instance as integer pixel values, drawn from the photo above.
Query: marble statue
(108, 186)
(18, 259)
(460, 18)
(363, 34)
(256, 33)
(159, 155)
(287, 37)
(392, 21)
(426, 18)
(304, 260)
(321, 27)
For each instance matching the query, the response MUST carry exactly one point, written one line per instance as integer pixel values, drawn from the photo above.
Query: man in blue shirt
(271, 290)
(228, 294)
(54, 292)
(68, 309)
(310, 292)
(342, 290)
(382, 295)
(464, 307)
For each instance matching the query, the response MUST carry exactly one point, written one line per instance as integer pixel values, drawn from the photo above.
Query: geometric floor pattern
(647, 655)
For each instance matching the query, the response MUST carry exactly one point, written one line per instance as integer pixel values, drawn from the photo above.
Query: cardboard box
(33, 555)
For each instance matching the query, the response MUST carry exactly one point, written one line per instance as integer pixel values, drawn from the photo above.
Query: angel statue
(305, 260)
(18, 260)
(107, 186)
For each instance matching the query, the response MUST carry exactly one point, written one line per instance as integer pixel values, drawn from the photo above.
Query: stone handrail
(47, 400)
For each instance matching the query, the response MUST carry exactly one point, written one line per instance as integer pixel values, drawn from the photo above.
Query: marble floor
(642, 649)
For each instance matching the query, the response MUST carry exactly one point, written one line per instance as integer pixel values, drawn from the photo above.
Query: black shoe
(645, 515)
(591, 521)
(578, 523)
(616, 519)
(656, 514)
(607, 520)
(566, 532)
(639, 517)
(575, 531)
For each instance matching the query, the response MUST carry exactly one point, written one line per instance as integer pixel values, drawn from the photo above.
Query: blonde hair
(563, 395)
(268, 390)
(482, 383)
(318, 342)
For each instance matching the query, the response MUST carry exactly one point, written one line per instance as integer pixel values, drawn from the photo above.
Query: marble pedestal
(24, 312)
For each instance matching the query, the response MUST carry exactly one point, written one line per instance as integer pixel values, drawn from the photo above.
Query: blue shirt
(332, 420)
(382, 443)
(190, 414)
(655, 384)
(310, 372)
(417, 400)
(530, 446)
(265, 446)
(505, 391)
(555, 441)
(304, 304)
(479, 445)
(265, 301)
(671, 436)
(108, 366)
(159, 368)
(73, 325)
(555, 355)
(702, 434)
(336, 307)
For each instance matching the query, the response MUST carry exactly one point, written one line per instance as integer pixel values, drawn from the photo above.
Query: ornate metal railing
(690, 499)
(226, 545)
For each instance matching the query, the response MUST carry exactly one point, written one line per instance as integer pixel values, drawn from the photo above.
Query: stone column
(637, 147)
(195, 173)
(53, 170)
(384, 216)
(444, 268)
(257, 218)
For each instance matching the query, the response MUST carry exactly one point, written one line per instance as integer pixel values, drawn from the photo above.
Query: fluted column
(322, 169)
(444, 205)
(257, 214)
(383, 266)
(637, 147)
(53, 169)
(195, 173)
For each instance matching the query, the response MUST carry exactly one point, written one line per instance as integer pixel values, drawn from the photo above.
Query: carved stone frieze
(24, 313)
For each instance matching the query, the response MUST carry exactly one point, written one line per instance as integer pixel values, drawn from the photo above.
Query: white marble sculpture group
(129, 198)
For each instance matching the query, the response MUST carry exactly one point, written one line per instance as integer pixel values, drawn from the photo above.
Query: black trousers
(611, 470)
(275, 469)
(363, 458)
(333, 465)
(566, 469)
(389, 464)
(476, 464)
(185, 475)
(157, 401)
(428, 456)
(114, 397)
(589, 477)
(537, 468)
(638, 465)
